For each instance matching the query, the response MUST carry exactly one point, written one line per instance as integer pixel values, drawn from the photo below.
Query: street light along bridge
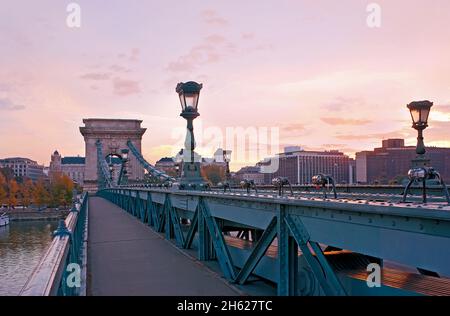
(141, 239)
(302, 244)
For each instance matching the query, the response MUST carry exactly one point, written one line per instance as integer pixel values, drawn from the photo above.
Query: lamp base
(420, 161)
(192, 178)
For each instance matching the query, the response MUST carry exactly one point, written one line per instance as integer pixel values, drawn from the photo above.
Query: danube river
(21, 246)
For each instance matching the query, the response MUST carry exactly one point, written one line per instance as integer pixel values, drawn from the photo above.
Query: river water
(22, 245)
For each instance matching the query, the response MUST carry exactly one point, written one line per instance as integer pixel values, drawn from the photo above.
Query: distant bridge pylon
(113, 135)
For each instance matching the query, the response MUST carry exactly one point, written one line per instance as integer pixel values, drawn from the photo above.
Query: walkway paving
(126, 257)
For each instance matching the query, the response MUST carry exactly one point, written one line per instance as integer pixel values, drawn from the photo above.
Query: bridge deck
(125, 257)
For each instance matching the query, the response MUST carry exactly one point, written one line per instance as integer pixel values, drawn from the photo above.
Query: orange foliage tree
(41, 195)
(213, 173)
(3, 193)
(13, 189)
(26, 192)
(61, 190)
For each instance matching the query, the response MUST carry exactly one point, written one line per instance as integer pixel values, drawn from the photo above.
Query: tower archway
(113, 135)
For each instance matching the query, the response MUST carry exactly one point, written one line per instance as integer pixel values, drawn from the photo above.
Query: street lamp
(420, 111)
(125, 155)
(279, 184)
(111, 170)
(321, 181)
(124, 178)
(249, 184)
(227, 159)
(189, 93)
(421, 171)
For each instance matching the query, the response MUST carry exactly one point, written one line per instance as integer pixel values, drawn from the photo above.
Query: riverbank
(22, 245)
(33, 215)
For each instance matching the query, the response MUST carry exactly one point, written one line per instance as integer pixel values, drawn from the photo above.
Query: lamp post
(321, 181)
(227, 159)
(189, 93)
(124, 179)
(421, 170)
(111, 170)
(420, 111)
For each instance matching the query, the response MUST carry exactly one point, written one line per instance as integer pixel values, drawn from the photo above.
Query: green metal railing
(360, 232)
(62, 269)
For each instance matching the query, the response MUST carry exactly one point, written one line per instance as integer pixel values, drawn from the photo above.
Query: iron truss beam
(414, 235)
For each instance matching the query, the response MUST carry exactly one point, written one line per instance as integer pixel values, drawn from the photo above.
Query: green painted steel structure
(370, 232)
(62, 269)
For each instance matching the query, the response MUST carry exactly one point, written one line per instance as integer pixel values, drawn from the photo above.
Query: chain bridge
(129, 237)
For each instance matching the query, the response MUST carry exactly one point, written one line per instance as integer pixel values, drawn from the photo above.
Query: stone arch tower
(114, 134)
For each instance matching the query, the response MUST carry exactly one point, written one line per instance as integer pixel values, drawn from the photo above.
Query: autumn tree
(8, 173)
(13, 189)
(61, 190)
(213, 173)
(41, 195)
(26, 192)
(3, 193)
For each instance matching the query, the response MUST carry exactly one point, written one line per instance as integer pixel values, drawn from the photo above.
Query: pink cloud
(118, 68)
(8, 105)
(344, 121)
(124, 87)
(294, 127)
(356, 137)
(212, 18)
(134, 56)
(210, 50)
(340, 103)
(96, 76)
(248, 36)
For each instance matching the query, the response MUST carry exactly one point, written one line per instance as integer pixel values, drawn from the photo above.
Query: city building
(168, 165)
(73, 167)
(299, 166)
(250, 173)
(352, 171)
(217, 159)
(23, 167)
(390, 163)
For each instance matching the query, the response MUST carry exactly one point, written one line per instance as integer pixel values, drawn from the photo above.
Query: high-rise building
(23, 167)
(391, 162)
(299, 166)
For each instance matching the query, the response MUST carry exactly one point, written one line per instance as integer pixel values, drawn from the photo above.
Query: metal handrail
(310, 221)
(49, 276)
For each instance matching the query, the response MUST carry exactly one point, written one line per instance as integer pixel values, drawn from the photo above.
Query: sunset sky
(314, 69)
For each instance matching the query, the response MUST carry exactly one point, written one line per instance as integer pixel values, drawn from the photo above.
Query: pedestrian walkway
(126, 257)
